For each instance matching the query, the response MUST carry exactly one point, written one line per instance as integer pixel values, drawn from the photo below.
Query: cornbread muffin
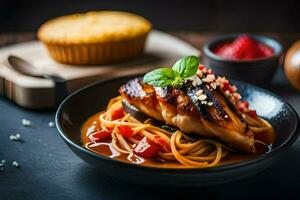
(98, 37)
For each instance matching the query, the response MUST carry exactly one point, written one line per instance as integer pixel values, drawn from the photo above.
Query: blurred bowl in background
(257, 71)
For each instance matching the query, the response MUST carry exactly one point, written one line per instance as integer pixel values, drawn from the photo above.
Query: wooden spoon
(26, 68)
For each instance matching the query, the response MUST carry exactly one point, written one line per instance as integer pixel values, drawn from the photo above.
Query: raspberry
(243, 48)
(264, 50)
(246, 47)
(221, 48)
(229, 51)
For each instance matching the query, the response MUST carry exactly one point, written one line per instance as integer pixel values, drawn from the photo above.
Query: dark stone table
(49, 170)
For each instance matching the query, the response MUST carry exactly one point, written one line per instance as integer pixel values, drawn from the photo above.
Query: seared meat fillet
(183, 109)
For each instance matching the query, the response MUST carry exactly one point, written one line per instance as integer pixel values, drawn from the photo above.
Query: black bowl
(253, 71)
(82, 104)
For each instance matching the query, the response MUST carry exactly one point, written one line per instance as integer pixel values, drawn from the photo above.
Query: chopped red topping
(242, 105)
(232, 89)
(100, 136)
(226, 85)
(125, 131)
(229, 90)
(117, 113)
(146, 148)
(201, 67)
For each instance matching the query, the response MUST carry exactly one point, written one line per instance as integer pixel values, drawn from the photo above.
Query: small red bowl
(260, 70)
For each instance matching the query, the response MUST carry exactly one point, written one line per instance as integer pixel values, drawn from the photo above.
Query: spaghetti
(125, 133)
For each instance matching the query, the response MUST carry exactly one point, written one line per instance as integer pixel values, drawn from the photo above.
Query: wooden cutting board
(161, 50)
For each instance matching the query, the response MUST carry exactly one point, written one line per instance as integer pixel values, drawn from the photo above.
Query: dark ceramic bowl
(253, 71)
(82, 104)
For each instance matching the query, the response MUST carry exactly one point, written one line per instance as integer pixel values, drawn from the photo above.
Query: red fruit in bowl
(243, 48)
(247, 47)
(220, 49)
(264, 50)
(229, 51)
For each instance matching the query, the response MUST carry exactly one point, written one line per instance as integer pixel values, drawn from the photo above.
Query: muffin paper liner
(96, 53)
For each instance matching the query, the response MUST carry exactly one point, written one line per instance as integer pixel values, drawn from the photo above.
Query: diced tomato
(252, 113)
(117, 113)
(147, 149)
(125, 131)
(163, 144)
(109, 128)
(100, 136)
(242, 105)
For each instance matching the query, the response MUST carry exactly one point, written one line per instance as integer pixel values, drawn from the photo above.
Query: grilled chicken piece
(182, 108)
(143, 97)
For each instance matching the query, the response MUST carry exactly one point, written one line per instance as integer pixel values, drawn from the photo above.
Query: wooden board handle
(2, 92)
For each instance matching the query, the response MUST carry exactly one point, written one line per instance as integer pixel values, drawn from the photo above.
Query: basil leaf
(161, 77)
(183, 68)
(178, 82)
(186, 66)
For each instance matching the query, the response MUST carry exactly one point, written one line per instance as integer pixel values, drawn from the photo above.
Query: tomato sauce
(106, 149)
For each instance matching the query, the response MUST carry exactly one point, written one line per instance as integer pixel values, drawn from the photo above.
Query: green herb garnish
(163, 77)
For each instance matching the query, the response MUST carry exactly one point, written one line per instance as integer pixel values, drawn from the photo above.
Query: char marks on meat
(183, 109)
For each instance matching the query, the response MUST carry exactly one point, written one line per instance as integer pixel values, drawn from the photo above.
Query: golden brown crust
(94, 27)
(95, 37)
(142, 96)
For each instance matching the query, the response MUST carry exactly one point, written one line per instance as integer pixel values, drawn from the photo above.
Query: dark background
(49, 170)
(203, 15)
